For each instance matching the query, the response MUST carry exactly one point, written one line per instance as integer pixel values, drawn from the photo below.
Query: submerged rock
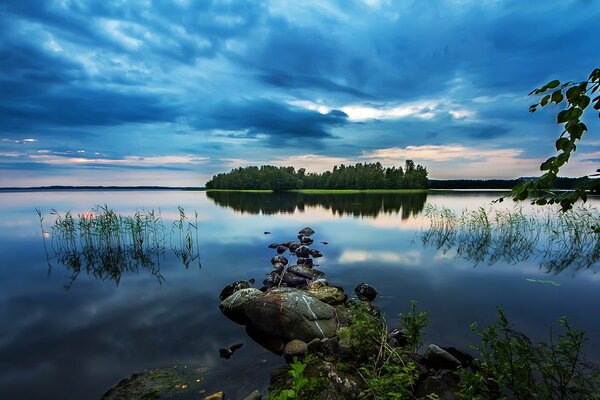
(150, 384)
(291, 314)
(365, 292)
(302, 251)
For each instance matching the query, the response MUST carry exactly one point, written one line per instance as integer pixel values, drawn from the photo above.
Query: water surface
(62, 341)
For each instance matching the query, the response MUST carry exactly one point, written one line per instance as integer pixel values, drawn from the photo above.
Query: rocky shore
(332, 338)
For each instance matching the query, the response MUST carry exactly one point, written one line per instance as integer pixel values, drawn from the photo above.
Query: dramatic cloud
(188, 89)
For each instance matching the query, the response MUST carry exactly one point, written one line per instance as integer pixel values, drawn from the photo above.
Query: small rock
(216, 396)
(267, 233)
(306, 240)
(306, 231)
(399, 336)
(232, 288)
(279, 259)
(314, 346)
(227, 352)
(307, 262)
(294, 246)
(315, 253)
(278, 265)
(466, 360)
(330, 345)
(302, 251)
(438, 358)
(273, 246)
(295, 348)
(254, 395)
(329, 294)
(325, 243)
(281, 249)
(365, 292)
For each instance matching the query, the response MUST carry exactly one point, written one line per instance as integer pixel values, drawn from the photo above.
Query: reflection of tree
(106, 245)
(487, 236)
(356, 204)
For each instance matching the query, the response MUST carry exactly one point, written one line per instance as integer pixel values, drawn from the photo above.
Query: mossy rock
(151, 385)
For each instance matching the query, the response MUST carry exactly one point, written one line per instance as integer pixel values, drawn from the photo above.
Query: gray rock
(314, 346)
(302, 251)
(233, 306)
(291, 314)
(295, 348)
(279, 259)
(438, 358)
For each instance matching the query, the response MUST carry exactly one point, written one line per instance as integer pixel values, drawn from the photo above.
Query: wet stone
(308, 262)
(281, 249)
(308, 231)
(232, 288)
(295, 348)
(365, 292)
(438, 358)
(279, 259)
(302, 251)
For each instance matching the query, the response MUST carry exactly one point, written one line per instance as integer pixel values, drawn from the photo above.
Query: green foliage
(359, 176)
(390, 377)
(301, 386)
(414, 324)
(366, 332)
(513, 364)
(577, 95)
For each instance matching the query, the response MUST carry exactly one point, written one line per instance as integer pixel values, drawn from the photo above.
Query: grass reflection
(106, 244)
(557, 240)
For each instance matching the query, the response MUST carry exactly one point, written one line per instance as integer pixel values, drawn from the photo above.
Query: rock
(314, 346)
(315, 253)
(345, 351)
(273, 246)
(330, 345)
(325, 243)
(278, 265)
(399, 336)
(279, 259)
(232, 288)
(365, 292)
(466, 360)
(343, 315)
(306, 240)
(438, 358)
(273, 279)
(444, 384)
(294, 281)
(329, 294)
(233, 306)
(267, 232)
(308, 273)
(317, 283)
(254, 395)
(216, 396)
(291, 314)
(227, 352)
(269, 342)
(307, 262)
(295, 348)
(302, 251)
(281, 249)
(341, 385)
(150, 384)
(294, 246)
(306, 231)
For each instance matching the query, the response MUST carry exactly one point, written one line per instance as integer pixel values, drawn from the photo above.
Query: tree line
(359, 176)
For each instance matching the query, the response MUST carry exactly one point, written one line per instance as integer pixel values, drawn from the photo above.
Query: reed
(556, 239)
(106, 244)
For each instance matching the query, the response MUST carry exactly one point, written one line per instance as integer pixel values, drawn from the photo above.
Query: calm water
(60, 341)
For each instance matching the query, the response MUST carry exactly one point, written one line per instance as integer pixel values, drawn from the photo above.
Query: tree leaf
(584, 102)
(557, 96)
(552, 84)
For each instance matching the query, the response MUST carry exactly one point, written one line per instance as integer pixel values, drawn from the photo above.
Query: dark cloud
(279, 122)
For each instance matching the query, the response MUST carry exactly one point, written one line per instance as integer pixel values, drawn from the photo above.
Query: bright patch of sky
(170, 93)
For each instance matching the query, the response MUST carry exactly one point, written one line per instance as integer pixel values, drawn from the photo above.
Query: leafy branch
(577, 97)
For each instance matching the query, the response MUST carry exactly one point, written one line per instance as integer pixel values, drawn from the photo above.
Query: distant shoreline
(98, 188)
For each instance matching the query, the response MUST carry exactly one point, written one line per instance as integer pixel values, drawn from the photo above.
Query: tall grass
(106, 244)
(557, 240)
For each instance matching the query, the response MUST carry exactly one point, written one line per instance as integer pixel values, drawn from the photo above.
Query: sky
(169, 93)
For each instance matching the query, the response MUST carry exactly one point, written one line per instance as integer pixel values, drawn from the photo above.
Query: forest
(359, 176)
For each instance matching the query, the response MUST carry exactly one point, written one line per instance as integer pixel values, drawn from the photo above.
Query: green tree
(576, 98)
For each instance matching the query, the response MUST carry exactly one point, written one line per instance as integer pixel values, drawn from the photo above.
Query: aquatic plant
(106, 244)
(557, 240)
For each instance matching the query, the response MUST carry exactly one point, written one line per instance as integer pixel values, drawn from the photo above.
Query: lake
(74, 336)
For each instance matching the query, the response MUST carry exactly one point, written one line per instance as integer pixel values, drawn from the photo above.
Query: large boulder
(438, 358)
(291, 314)
(233, 306)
